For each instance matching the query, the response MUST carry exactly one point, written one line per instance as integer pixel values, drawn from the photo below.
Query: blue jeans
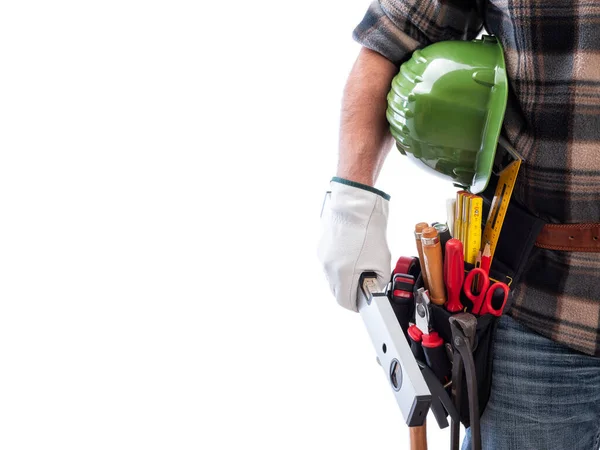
(544, 395)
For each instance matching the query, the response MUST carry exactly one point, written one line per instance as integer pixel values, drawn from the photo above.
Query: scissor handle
(484, 283)
(492, 305)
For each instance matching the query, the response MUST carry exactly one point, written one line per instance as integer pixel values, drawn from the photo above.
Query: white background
(162, 170)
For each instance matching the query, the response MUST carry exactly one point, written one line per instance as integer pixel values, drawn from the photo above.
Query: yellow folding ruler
(504, 190)
(473, 235)
(458, 215)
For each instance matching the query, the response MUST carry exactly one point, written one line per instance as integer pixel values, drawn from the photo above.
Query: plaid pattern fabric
(552, 51)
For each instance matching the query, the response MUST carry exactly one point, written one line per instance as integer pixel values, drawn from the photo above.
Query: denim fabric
(544, 396)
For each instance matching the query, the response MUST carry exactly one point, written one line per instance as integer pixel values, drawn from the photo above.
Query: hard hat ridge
(446, 107)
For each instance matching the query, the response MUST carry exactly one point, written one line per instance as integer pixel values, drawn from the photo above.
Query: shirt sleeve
(395, 28)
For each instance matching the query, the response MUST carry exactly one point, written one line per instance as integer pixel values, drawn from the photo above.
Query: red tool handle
(416, 337)
(436, 356)
(454, 274)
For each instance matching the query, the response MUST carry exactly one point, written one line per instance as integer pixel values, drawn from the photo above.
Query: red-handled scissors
(489, 299)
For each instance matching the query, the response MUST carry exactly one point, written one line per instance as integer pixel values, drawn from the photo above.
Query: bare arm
(365, 139)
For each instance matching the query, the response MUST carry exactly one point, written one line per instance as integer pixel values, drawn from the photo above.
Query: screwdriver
(454, 274)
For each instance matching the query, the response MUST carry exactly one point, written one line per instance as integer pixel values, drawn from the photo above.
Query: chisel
(433, 265)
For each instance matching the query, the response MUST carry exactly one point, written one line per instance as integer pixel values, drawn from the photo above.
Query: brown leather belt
(570, 237)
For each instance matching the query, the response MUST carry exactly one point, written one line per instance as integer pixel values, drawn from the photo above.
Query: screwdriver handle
(436, 356)
(454, 274)
(434, 265)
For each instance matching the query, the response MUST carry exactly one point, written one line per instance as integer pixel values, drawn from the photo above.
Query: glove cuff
(364, 187)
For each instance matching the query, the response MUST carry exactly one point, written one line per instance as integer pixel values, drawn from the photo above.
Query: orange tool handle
(418, 437)
(434, 266)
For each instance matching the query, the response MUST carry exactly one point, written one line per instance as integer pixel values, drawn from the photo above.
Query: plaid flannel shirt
(552, 52)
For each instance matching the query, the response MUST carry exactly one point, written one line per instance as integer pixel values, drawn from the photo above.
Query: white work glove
(354, 238)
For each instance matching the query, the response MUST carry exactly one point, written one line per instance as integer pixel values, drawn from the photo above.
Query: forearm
(365, 139)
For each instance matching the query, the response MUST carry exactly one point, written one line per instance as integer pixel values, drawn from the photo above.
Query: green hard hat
(446, 108)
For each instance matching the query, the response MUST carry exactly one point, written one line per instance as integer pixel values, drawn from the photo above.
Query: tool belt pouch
(483, 346)
(519, 233)
(517, 239)
(513, 250)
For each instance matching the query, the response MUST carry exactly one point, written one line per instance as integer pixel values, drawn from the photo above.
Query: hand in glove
(353, 238)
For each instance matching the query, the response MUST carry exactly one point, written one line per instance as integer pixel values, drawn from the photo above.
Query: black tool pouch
(483, 347)
(519, 232)
(517, 239)
(515, 243)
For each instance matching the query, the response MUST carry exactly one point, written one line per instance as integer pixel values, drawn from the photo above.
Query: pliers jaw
(422, 317)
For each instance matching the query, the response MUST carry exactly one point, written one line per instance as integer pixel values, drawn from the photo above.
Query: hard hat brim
(496, 109)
